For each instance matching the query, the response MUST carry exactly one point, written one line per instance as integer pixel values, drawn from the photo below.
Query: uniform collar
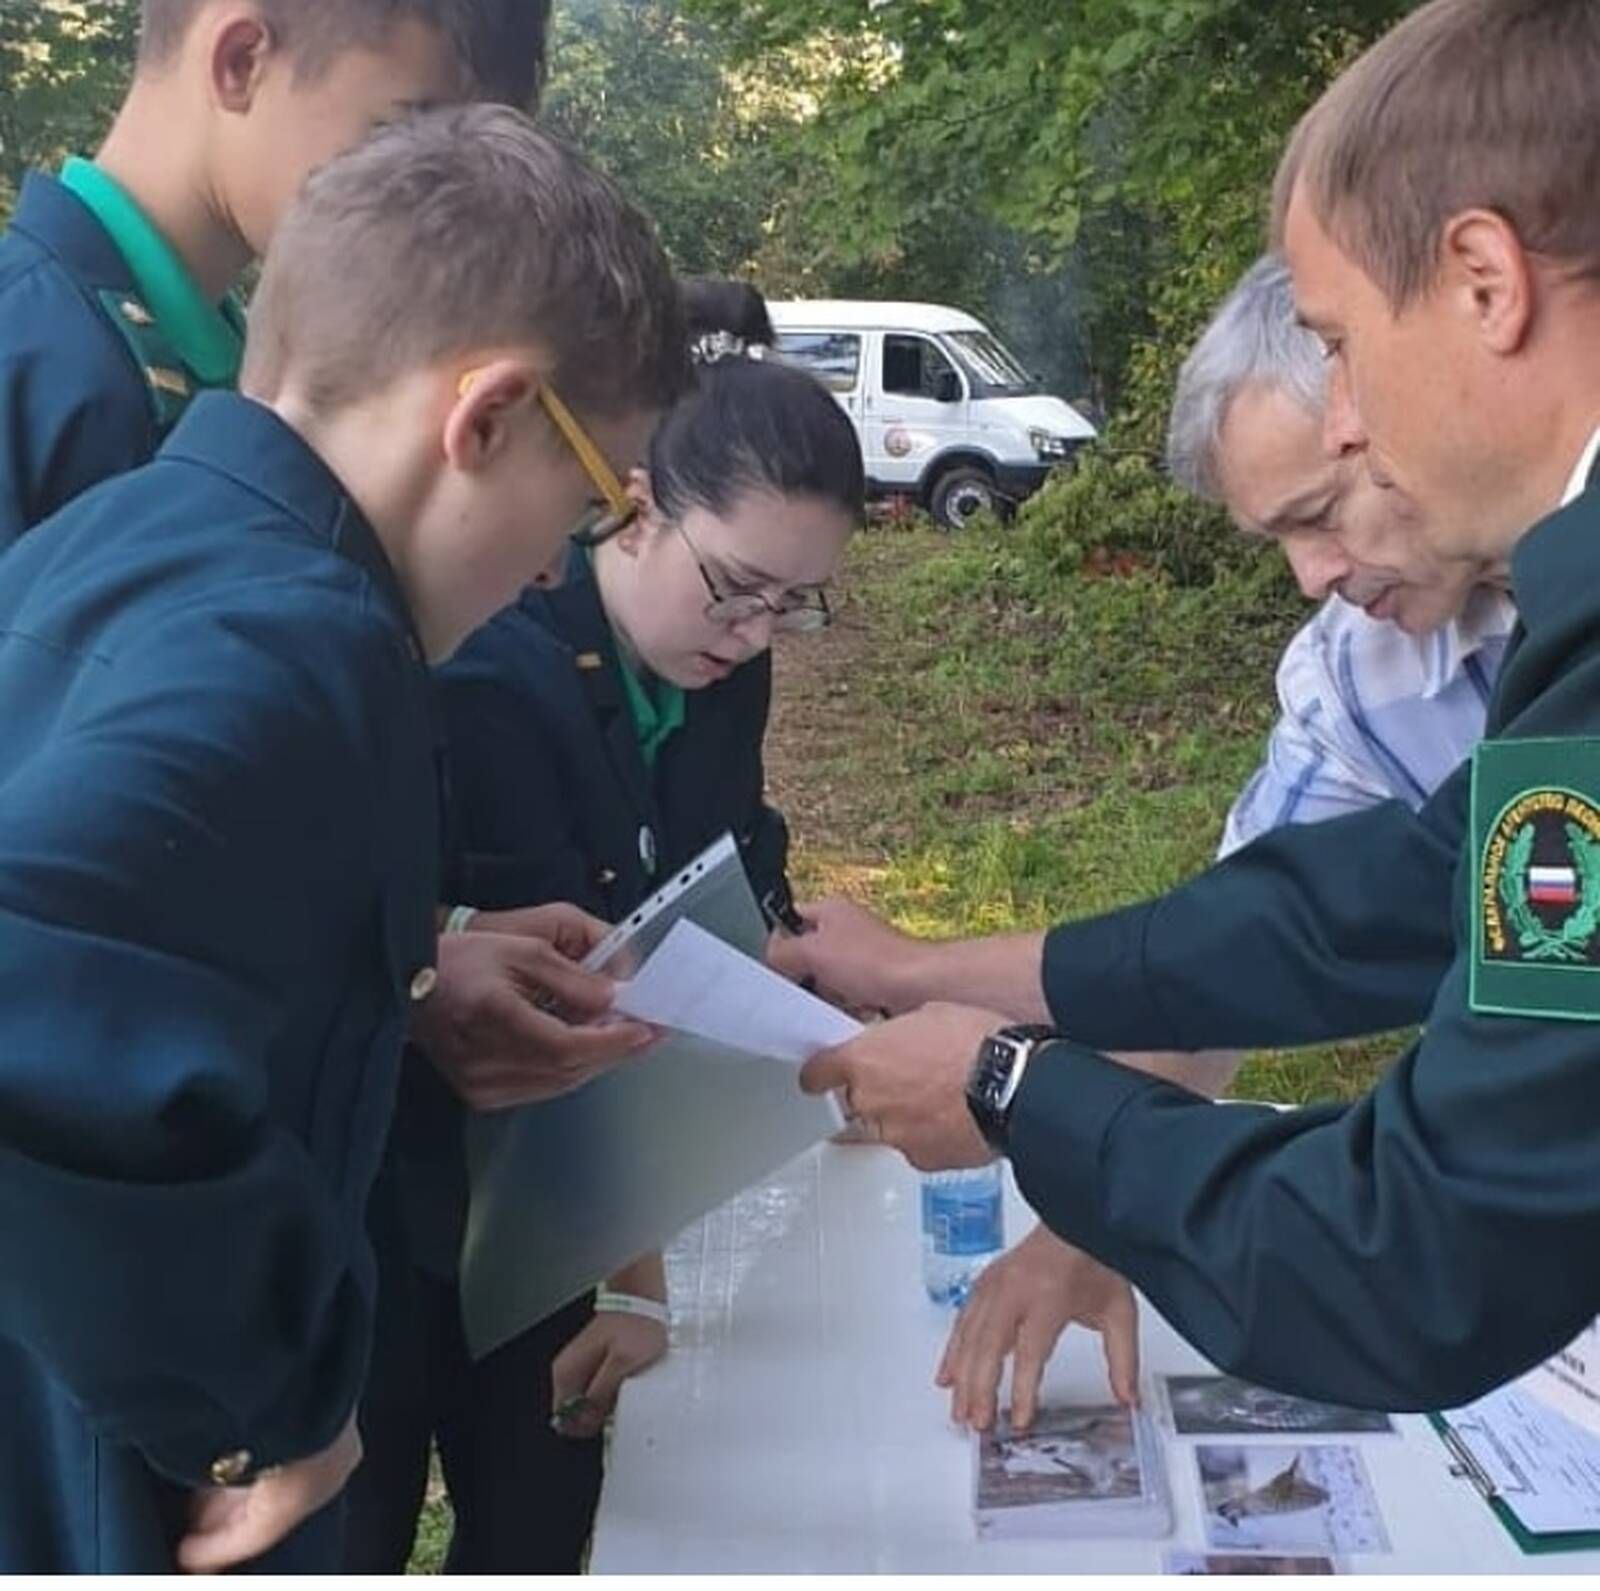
(208, 337)
(60, 223)
(250, 445)
(573, 612)
(1555, 567)
(1585, 469)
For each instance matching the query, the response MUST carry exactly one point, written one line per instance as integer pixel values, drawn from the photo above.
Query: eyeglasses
(803, 609)
(619, 510)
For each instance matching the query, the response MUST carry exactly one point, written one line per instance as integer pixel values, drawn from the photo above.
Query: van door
(918, 408)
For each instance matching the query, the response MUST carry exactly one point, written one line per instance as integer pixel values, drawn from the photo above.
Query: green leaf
(1125, 50)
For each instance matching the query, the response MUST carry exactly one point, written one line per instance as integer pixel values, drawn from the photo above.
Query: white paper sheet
(1569, 1381)
(1544, 1467)
(694, 983)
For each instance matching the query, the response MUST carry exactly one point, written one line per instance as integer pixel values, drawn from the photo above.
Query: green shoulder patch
(1536, 879)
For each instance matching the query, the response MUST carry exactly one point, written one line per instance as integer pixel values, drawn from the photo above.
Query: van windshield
(993, 367)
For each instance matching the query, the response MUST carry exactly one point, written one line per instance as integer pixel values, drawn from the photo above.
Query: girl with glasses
(601, 733)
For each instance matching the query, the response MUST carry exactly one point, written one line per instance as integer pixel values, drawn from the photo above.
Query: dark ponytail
(753, 425)
(714, 305)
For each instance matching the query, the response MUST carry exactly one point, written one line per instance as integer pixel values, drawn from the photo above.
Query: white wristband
(460, 919)
(607, 1302)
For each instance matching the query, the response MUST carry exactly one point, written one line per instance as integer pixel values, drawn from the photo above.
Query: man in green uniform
(1437, 1237)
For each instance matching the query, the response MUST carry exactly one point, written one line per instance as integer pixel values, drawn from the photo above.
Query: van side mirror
(947, 387)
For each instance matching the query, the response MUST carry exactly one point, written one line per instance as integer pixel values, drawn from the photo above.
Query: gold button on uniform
(232, 1468)
(425, 982)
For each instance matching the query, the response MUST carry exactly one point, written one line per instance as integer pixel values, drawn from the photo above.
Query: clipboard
(1464, 1465)
(566, 1192)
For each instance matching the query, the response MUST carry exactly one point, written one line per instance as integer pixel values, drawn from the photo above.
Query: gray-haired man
(1381, 694)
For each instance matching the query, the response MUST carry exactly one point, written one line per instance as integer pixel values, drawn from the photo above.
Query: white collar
(1580, 476)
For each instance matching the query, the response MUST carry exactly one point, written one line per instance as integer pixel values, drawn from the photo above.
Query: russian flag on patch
(1552, 886)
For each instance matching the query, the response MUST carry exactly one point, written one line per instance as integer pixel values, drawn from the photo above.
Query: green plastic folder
(1534, 1543)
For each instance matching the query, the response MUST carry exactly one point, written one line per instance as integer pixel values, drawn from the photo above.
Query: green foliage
(64, 65)
(643, 89)
(1130, 140)
(1116, 511)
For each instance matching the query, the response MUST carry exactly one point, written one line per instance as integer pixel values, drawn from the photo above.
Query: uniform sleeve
(1410, 1252)
(73, 411)
(1313, 932)
(1310, 772)
(168, 872)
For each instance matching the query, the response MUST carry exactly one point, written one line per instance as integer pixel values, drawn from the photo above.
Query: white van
(943, 410)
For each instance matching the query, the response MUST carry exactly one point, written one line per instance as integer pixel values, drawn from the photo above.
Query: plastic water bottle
(963, 1228)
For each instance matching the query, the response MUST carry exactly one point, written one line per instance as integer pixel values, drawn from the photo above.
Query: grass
(433, 1530)
(985, 742)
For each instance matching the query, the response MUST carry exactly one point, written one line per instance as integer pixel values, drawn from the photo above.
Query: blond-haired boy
(220, 826)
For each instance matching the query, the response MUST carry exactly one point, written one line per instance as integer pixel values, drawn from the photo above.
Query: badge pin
(168, 381)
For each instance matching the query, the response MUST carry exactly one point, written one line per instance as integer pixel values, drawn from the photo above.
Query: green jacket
(1441, 1235)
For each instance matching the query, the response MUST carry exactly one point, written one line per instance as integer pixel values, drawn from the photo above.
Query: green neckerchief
(208, 337)
(653, 721)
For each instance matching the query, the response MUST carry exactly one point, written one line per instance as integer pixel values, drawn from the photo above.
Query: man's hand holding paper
(907, 1080)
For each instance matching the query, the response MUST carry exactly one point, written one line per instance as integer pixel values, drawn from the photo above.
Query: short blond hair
(462, 230)
(1466, 104)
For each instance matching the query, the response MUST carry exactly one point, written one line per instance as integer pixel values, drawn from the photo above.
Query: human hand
(850, 956)
(907, 1081)
(514, 1020)
(1018, 1308)
(231, 1525)
(588, 1373)
(564, 927)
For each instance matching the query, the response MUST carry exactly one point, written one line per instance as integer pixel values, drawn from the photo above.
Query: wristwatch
(997, 1075)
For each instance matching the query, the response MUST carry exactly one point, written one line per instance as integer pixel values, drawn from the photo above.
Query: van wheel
(960, 496)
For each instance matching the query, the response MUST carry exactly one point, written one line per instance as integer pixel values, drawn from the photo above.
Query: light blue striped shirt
(1369, 713)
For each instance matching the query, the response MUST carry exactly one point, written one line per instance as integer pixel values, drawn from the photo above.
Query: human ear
(640, 492)
(1490, 276)
(238, 54)
(482, 421)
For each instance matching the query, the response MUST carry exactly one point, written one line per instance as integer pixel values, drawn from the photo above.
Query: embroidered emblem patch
(1536, 902)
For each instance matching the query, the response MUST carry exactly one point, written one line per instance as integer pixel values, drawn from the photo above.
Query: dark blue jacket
(218, 841)
(80, 366)
(552, 801)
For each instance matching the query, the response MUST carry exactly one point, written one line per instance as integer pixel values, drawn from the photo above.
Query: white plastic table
(794, 1427)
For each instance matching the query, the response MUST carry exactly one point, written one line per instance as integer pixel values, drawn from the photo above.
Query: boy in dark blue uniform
(115, 307)
(601, 734)
(218, 829)
(115, 303)
(1437, 1237)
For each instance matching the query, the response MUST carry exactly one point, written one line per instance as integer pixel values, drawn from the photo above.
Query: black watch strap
(997, 1075)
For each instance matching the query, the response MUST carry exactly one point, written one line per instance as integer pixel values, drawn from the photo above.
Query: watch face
(994, 1069)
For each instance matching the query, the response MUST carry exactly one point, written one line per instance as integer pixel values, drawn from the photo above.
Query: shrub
(1117, 512)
